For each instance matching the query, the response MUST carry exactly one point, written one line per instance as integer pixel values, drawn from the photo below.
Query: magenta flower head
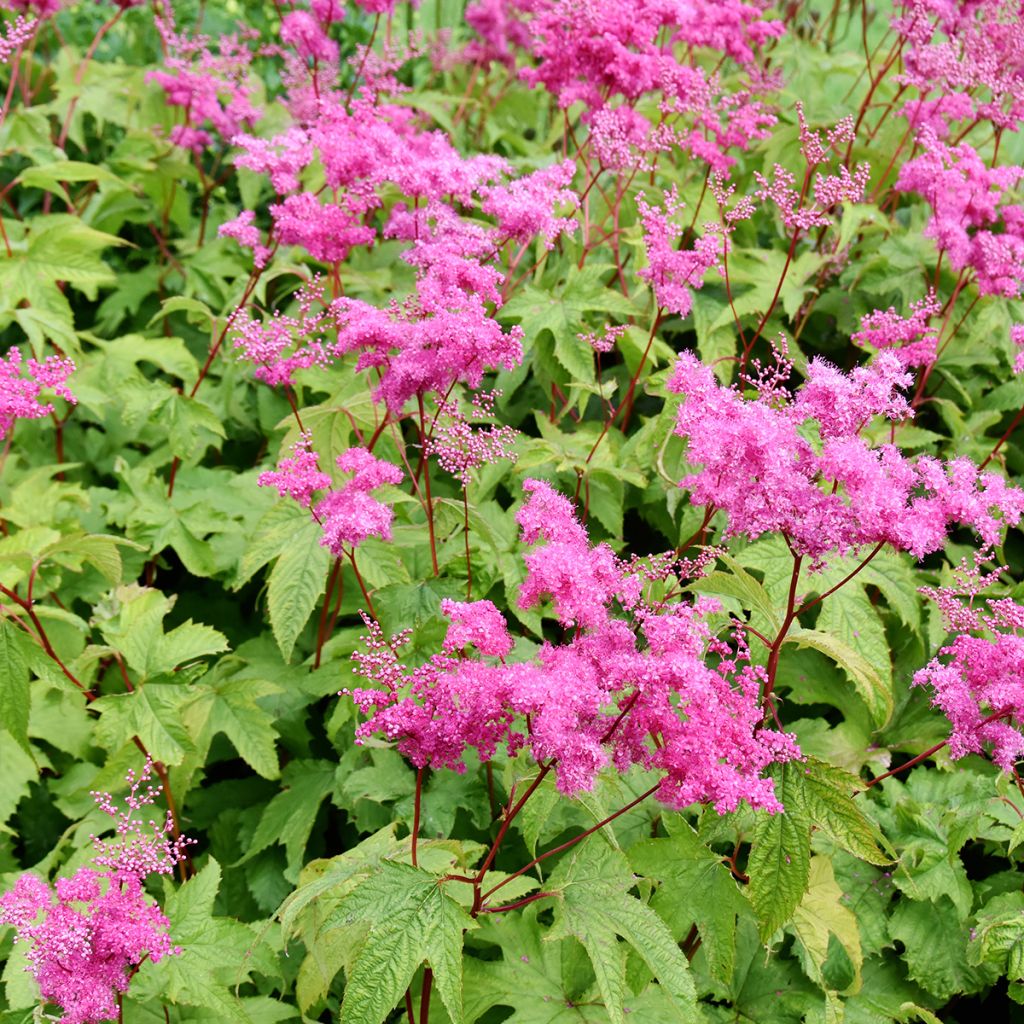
(478, 623)
(350, 514)
(22, 382)
(88, 933)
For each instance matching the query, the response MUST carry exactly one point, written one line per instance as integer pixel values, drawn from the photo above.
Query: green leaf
(820, 915)
(871, 687)
(153, 712)
(411, 919)
(827, 796)
(289, 817)
(230, 706)
(997, 937)
(779, 862)
(216, 952)
(935, 948)
(137, 632)
(696, 887)
(15, 696)
(849, 616)
(185, 643)
(295, 585)
(595, 907)
(50, 176)
(740, 584)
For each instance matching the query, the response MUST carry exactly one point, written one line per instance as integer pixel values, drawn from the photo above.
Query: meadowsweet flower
(911, 338)
(499, 29)
(970, 222)
(303, 31)
(978, 678)
(580, 579)
(478, 623)
(21, 383)
(210, 83)
(1017, 337)
(758, 464)
(244, 231)
(350, 514)
(14, 35)
(676, 273)
(460, 446)
(87, 932)
(84, 938)
(327, 231)
(299, 476)
(598, 699)
(523, 207)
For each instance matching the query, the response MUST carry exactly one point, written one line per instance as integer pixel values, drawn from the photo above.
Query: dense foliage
(508, 513)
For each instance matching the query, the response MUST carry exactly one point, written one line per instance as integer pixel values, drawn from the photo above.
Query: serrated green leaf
(411, 920)
(295, 585)
(871, 686)
(696, 887)
(821, 914)
(827, 796)
(595, 907)
(289, 817)
(230, 706)
(779, 861)
(15, 695)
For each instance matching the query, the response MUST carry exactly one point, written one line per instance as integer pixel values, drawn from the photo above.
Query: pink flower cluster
(211, 86)
(14, 35)
(610, 55)
(442, 333)
(416, 348)
(911, 338)
(348, 514)
(87, 933)
(978, 680)
(676, 273)
(22, 381)
(800, 467)
(970, 222)
(461, 446)
(830, 190)
(612, 694)
(967, 56)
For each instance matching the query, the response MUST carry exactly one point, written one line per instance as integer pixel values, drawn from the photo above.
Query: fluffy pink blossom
(759, 466)
(209, 83)
(478, 623)
(970, 222)
(40, 8)
(580, 579)
(350, 513)
(460, 446)
(302, 30)
(499, 29)
(244, 231)
(15, 35)
(911, 338)
(328, 11)
(84, 938)
(87, 932)
(978, 678)
(602, 697)
(1017, 337)
(676, 273)
(299, 476)
(327, 231)
(523, 207)
(22, 382)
